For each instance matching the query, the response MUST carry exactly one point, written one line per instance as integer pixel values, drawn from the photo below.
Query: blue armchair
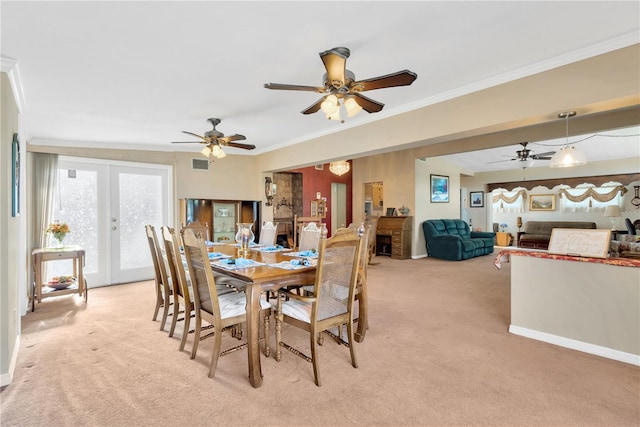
(451, 239)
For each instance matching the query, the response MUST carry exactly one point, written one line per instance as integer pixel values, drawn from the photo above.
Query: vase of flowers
(59, 230)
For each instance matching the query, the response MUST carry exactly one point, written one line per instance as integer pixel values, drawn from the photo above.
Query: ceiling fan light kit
(568, 156)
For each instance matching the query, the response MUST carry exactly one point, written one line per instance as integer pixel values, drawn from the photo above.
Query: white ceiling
(606, 145)
(135, 74)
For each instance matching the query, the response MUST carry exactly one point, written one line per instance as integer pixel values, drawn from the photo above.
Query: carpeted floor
(438, 353)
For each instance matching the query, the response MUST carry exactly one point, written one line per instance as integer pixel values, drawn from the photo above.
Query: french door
(107, 205)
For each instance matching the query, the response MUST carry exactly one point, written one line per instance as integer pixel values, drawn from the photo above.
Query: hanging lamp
(568, 156)
(340, 167)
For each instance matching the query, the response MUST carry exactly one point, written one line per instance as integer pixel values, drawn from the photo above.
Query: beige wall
(232, 178)
(406, 181)
(12, 232)
(577, 305)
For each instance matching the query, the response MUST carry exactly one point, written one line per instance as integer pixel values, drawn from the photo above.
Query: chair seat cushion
(233, 304)
(302, 310)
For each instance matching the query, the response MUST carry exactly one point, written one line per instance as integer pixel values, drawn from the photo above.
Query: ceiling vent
(200, 164)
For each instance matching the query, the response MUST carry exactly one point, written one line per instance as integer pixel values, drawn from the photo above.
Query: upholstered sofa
(451, 239)
(536, 234)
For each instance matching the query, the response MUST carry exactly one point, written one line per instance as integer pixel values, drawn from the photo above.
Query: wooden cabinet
(221, 216)
(378, 196)
(393, 236)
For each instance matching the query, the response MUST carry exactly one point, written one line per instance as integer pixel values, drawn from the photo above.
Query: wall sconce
(269, 190)
(284, 203)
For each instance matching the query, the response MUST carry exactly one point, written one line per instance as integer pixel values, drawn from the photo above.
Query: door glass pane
(140, 204)
(76, 203)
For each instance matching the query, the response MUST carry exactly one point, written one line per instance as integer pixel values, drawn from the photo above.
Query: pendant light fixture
(340, 167)
(568, 156)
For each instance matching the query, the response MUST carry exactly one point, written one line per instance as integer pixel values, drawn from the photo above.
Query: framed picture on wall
(15, 176)
(542, 202)
(476, 199)
(439, 189)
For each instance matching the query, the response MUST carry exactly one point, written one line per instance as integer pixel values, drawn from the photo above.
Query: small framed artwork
(319, 167)
(542, 202)
(15, 176)
(391, 211)
(439, 189)
(578, 242)
(476, 199)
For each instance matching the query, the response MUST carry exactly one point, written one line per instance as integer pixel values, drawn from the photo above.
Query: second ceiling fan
(215, 140)
(340, 84)
(526, 156)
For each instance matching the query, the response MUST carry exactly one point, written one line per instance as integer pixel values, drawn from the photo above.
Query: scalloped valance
(590, 192)
(509, 199)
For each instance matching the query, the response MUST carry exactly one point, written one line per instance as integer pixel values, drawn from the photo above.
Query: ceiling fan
(526, 156)
(215, 140)
(341, 84)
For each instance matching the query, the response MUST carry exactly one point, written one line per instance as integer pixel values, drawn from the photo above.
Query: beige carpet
(437, 353)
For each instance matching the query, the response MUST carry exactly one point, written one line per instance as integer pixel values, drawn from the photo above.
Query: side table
(42, 255)
(503, 238)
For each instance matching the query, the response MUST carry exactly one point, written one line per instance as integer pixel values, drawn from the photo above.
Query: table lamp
(612, 211)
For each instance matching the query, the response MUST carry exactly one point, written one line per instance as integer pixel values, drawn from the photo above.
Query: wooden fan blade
(189, 142)
(547, 154)
(400, 78)
(313, 108)
(195, 134)
(335, 62)
(368, 104)
(239, 145)
(540, 158)
(500, 161)
(280, 86)
(230, 138)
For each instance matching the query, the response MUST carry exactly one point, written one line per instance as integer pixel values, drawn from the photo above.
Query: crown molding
(10, 66)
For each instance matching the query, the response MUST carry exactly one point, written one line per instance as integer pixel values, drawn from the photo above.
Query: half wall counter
(586, 304)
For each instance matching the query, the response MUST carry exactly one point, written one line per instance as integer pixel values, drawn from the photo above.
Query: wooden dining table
(257, 279)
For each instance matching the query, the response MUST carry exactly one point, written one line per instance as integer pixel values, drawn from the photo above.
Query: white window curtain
(45, 182)
(589, 198)
(503, 201)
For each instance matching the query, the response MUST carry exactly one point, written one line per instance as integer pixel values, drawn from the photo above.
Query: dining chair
(631, 229)
(371, 223)
(182, 292)
(182, 295)
(199, 227)
(310, 237)
(268, 234)
(302, 221)
(332, 301)
(361, 297)
(221, 311)
(162, 281)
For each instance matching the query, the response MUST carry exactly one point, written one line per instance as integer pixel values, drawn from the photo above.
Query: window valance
(582, 194)
(509, 196)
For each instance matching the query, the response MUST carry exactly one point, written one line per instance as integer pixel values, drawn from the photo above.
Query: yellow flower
(58, 229)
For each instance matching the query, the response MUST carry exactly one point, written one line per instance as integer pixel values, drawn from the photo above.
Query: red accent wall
(314, 181)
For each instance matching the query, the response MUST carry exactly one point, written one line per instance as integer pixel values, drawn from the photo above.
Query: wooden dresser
(393, 236)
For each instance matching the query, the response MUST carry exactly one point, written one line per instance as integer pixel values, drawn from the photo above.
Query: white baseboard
(585, 347)
(7, 377)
